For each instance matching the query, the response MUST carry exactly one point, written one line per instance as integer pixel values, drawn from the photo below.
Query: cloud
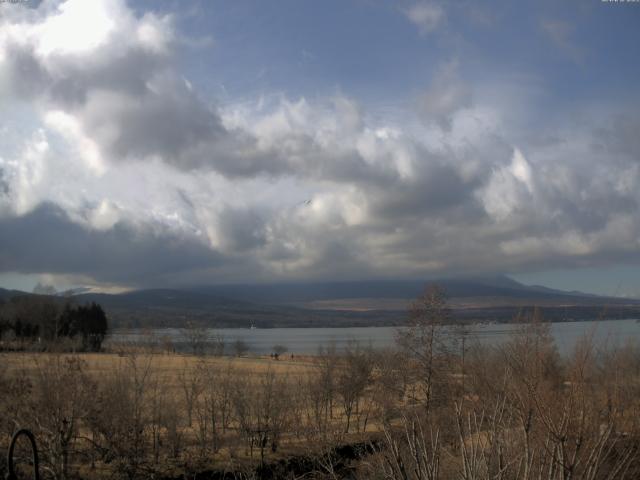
(114, 78)
(121, 98)
(428, 17)
(510, 188)
(239, 230)
(114, 170)
(43, 289)
(447, 94)
(47, 240)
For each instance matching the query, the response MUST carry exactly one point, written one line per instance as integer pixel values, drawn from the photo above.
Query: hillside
(485, 291)
(366, 303)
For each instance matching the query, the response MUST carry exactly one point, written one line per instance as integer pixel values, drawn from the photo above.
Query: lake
(308, 340)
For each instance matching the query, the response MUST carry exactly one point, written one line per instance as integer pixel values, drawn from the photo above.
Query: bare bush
(120, 416)
(58, 403)
(197, 338)
(354, 376)
(261, 410)
(191, 383)
(240, 348)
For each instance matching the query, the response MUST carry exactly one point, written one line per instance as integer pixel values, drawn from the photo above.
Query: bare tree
(172, 423)
(214, 406)
(327, 364)
(240, 347)
(392, 381)
(158, 410)
(197, 338)
(410, 452)
(262, 411)
(315, 398)
(218, 344)
(58, 404)
(279, 350)
(354, 376)
(119, 415)
(190, 380)
(422, 340)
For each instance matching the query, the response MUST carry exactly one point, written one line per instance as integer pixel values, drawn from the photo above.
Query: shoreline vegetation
(283, 317)
(426, 409)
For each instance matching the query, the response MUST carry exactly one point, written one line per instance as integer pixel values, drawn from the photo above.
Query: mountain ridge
(343, 303)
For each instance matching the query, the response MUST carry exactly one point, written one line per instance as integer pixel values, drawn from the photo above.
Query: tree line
(50, 321)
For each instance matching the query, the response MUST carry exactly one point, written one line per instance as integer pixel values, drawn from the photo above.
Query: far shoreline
(307, 340)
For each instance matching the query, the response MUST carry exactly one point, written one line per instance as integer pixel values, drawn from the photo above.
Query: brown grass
(166, 366)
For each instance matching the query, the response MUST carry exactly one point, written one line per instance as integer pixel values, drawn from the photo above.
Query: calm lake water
(308, 340)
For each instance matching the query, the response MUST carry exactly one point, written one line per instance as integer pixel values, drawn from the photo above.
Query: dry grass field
(423, 411)
(203, 411)
(166, 365)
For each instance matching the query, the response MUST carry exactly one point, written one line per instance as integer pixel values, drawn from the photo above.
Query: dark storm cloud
(27, 77)
(4, 184)
(47, 240)
(241, 229)
(438, 188)
(169, 123)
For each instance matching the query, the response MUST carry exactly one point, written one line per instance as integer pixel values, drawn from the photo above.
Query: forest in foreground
(424, 410)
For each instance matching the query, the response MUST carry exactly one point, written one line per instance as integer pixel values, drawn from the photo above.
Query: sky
(179, 143)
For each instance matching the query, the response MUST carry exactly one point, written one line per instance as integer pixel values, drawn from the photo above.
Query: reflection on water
(308, 340)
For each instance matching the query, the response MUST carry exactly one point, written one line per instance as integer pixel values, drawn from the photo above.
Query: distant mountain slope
(352, 303)
(344, 303)
(7, 294)
(160, 298)
(490, 287)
